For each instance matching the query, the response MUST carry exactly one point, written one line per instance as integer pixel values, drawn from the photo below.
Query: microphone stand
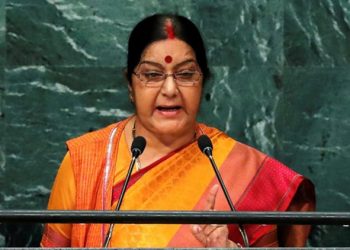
(208, 152)
(127, 178)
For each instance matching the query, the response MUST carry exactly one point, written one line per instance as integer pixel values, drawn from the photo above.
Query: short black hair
(153, 28)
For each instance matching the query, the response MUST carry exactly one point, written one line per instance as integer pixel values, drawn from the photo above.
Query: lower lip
(168, 113)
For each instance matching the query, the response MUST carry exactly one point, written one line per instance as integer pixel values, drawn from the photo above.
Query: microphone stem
(127, 178)
(218, 175)
(230, 203)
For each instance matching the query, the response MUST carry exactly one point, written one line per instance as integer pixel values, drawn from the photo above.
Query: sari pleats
(180, 180)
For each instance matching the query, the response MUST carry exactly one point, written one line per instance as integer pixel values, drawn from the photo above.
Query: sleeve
(292, 235)
(62, 198)
(303, 201)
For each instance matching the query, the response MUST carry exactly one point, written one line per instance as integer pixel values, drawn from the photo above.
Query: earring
(131, 97)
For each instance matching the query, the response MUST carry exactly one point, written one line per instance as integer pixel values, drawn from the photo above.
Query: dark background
(281, 83)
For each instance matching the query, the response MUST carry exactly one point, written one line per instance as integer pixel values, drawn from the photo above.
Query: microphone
(206, 146)
(137, 147)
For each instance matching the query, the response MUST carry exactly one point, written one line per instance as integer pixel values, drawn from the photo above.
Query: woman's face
(169, 109)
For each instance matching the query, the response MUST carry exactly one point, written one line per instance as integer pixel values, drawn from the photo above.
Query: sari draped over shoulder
(180, 180)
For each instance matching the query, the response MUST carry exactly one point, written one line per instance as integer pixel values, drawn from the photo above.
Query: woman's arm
(62, 198)
(303, 201)
(292, 235)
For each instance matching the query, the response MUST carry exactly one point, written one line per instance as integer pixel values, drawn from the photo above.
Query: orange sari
(92, 174)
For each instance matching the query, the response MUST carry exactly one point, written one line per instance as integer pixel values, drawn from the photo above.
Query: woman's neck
(158, 145)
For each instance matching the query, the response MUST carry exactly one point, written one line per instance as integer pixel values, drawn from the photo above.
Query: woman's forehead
(167, 51)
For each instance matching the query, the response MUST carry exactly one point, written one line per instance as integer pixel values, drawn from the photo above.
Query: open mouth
(168, 108)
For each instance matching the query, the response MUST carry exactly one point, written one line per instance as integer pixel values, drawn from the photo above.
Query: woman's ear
(131, 93)
(125, 74)
(130, 90)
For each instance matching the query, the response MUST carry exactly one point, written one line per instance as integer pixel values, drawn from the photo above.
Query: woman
(166, 70)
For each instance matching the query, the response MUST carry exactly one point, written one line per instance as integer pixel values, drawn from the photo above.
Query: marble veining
(280, 78)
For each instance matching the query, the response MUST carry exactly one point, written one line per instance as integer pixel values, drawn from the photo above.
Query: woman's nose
(169, 87)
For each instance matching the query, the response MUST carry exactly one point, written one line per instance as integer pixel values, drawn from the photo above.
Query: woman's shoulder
(221, 136)
(243, 151)
(98, 136)
(272, 169)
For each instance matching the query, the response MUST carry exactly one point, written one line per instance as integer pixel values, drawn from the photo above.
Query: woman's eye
(185, 74)
(153, 75)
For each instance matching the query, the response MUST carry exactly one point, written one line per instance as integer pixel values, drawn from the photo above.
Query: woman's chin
(173, 128)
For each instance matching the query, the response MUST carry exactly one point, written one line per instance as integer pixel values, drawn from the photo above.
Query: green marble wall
(281, 82)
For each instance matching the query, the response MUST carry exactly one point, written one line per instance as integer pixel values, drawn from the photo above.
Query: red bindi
(168, 59)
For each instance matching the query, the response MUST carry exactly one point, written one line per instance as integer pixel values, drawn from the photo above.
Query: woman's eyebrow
(185, 62)
(161, 66)
(152, 63)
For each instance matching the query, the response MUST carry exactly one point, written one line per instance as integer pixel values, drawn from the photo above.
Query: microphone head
(205, 145)
(137, 146)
